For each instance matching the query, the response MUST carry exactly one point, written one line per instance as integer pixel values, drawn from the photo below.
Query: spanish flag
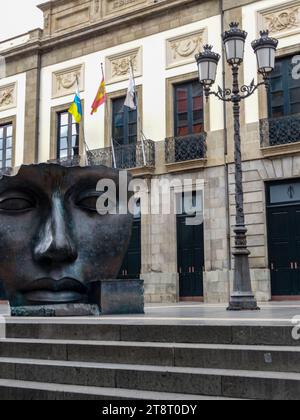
(76, 108)
(101, 97)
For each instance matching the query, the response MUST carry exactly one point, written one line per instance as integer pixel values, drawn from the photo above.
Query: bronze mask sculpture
(53, 240)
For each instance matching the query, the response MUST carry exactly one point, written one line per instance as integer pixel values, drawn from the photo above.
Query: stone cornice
(49, 4)
(117, 21)
(45, 43)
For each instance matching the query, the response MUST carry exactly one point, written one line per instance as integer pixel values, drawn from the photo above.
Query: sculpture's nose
(55, 242)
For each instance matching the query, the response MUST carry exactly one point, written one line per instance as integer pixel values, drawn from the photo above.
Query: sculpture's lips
(46, 297)
(47, 290)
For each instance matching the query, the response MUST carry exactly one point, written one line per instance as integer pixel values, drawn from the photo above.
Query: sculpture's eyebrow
(88, 186)
(17, 192)
(88, 192)
(14, 193)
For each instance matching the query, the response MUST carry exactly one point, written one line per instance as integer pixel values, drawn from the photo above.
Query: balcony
(67, 161)
(130, 156)
(280, 134)
(185, 152)
(6, 171)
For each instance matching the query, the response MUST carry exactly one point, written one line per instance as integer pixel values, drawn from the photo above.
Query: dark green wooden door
(284, 250)
(280, 251)
(297, 250)
(283, 214)
(131, 267)
(190, 250)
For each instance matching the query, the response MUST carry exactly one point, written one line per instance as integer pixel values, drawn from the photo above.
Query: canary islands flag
(76, 108)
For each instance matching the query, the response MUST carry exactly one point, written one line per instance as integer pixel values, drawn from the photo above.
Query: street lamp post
(234, 40)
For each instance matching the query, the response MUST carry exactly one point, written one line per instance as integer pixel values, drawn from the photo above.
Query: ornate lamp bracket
(226, 95)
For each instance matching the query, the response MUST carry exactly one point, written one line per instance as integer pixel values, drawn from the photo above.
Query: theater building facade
(185, 136)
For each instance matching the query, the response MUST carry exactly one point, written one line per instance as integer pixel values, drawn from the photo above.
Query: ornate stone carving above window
(8, 96)
(281, 21)
(182, 49)
(64, 82)
(117, 66)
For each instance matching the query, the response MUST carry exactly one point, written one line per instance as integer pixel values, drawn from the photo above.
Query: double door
(284, 249)
(131, 267)
(190, 244)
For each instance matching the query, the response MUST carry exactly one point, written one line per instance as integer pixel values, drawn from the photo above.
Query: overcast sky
(19, 16)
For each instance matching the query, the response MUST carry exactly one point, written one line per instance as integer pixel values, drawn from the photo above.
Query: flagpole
(112, 141)
(81, 128)
(111, 138)
(113, 152)
(143, 137)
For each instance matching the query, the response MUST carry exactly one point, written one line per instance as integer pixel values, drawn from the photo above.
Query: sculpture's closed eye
(15, 204)
(88, 203)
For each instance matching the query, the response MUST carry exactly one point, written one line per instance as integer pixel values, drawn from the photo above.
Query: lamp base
(243, 302)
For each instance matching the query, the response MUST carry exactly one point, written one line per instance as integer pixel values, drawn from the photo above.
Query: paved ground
(195, 314)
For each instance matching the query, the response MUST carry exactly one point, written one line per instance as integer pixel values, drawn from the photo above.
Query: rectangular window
(124, 123)
(287, 192)
(284, 94)
(6, 144)
(188, 107)
(67, 136)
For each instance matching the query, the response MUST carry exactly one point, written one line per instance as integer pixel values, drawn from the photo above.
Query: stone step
(88, 329)
(213, 356)
(180, 380)
(24, 390)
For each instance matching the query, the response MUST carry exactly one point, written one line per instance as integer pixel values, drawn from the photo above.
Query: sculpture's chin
(44, 297)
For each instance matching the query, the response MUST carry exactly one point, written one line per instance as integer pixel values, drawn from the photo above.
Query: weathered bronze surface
(53, 241)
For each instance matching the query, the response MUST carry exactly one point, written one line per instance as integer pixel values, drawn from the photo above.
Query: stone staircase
(98, 361)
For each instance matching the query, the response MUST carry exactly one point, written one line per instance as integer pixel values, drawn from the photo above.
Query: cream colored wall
(250, 24)
(19, 112)
(153, 81)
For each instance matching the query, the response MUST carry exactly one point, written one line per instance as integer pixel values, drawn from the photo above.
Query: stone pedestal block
(115, 297)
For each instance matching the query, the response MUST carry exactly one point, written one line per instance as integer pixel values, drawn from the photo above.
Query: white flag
(130, 98)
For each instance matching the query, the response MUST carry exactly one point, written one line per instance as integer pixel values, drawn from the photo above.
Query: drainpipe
(226, 166)
(38, 97)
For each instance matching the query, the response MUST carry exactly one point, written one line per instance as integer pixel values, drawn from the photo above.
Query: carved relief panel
(97, 7)
(281, 21)
(96, 10)
(182, 49)
(118, 6)
(8, 96)
(117, 66)
(72, 17)
(64, 82)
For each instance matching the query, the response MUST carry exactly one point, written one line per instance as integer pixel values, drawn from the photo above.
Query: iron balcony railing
(67, 161)
(6, 171)
(126, 157)
(278, 131)
(182, 149)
